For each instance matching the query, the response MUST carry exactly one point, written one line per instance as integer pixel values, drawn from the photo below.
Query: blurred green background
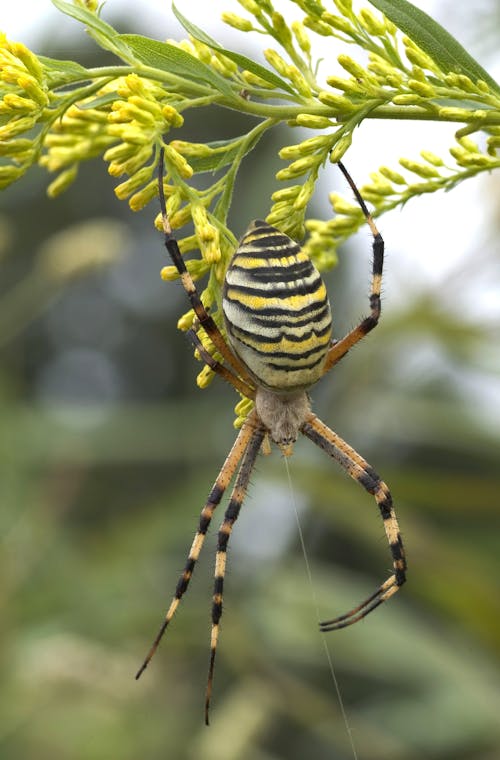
(108, 451)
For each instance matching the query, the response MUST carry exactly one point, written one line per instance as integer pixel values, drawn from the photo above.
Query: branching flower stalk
(58, 114)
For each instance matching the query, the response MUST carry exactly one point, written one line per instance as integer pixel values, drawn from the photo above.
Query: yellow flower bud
(313, 122)
(301, 36)
(241, 24)
(62, 181)
(179, 162)
(276, 61)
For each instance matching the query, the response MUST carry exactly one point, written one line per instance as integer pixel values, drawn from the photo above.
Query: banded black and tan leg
(230, 517)
(240, 385)
(225, 476)
(366, 476)
(342, 346)
(204, 318)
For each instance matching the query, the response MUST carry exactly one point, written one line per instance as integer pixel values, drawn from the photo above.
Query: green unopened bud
(422, 88)
(301, 36)
(201, 51)
(298, 168)
(298, 81)
(313, 122)
(352, 67)
(456, 114)
(13, 102)
(344, 6)
(180, 217)
(129, 133)
(198, 150)
(281, 29)
(373, 25)
(380, 184)
(138, 179)
(28, 58)
(9, 174)
(31, 86)
(62, 181)
(338, 102)
(340, 148)
(118, 153)
(393, 176)
(317, 26)
(250, 6)
(343, 84)
(339, 23)
(407, 99)
(223, 65)
(241, 24)
(255, 81)
(431, 158)
(305, 148)
(276, 61)
(304, 195)
(417, 56)
(21, 146)
(16, 127)
(286, 193)
(172, 116)
(180, 163)
(341, 206)
(422, 170)
(140, 199)
(469, 159)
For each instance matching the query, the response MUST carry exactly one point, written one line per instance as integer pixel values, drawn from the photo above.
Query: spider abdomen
(276, 310)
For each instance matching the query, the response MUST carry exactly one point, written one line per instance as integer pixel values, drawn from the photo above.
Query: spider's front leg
(361, 471)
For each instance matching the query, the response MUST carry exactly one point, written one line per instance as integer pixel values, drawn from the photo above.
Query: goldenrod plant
(58, 113)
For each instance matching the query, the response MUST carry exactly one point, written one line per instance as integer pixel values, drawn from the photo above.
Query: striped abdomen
(276, 310)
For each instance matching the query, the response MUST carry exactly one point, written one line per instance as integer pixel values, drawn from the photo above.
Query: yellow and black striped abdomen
(276, 310)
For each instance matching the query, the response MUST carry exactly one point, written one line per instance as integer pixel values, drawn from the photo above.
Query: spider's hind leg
(366, 476)
(230, 517)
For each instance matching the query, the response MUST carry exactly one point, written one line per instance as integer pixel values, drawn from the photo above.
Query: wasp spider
(278, 322)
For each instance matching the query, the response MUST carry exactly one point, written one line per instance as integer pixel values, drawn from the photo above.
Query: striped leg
(216, 494)
(341, 347)
(240, 385)
(361, 471)
(204, 318)
(230, 517)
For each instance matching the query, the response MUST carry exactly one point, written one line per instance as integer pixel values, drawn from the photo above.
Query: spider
(278, 324)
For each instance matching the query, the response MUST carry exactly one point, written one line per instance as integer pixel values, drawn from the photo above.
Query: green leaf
(430, 36)
(63, 71)
(226, 152)
(241, 60)
(174, 60)
(99, 30)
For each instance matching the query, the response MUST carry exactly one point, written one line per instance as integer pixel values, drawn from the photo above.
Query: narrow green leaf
(166, 57)
(241, 60)
(439, 44)
(226, 152)
(99, 30)
(63, 71)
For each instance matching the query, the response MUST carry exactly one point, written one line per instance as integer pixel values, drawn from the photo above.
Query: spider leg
(361, 471)
(240, 385)
(206, 321)
(224, 478)
(342, 346)
(230, 517)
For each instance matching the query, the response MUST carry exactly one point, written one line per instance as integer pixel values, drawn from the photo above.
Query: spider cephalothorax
(278, 322)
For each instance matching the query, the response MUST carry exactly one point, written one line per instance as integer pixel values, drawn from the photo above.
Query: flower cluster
(24, 98)
(60, 114)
